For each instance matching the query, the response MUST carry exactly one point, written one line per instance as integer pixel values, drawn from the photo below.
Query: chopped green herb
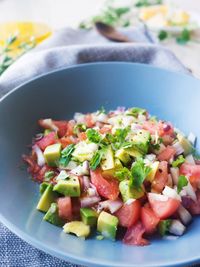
(180, 160)
(102, 110)
(66, 155)
(184, 37)
(79, 128)
(136, 111)
(121, 134)
(139, 172)
(123, 174)
(100, 237)
(96, 159)
(93, 136)
(48, 176)
(182, 181)
(164, 226)
(162, 35)
(142, 3)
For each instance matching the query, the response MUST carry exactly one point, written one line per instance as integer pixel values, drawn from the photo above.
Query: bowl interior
(86, 88)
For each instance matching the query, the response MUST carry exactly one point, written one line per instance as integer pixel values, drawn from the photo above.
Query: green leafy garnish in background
(162, 35)
(142, 3)
(6, 58)
(93, 136)
(184, 37)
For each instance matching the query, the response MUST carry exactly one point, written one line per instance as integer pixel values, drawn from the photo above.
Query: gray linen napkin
(69, 47)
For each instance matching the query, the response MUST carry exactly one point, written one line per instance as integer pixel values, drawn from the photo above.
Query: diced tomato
(82, 136)
(150, 126)
(67, 140)
(89, 121)
(62, 127)
(167, 139)
(193, 172)
(165, 128)
(108, 189)
(33, 166)
(105, 129)
(129, 214)
(161, 177)
(134, 235)
(70, 127)
(149, 220)
(65, 208)
(47, 140)
(76, 208)
(167, 153)
(163, 208)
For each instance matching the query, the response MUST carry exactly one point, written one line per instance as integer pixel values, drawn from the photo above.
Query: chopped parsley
(123, 174)
(180, 160)
(66, 155)
(79, 128)
(184, 37)
(162, 35)
(96, 159)
(48, 175)
(182, 181)
(164, 226)
(136, 111)
(93, 136)
(139, 173)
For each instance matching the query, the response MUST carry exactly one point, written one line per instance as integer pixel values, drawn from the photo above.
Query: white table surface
(62, 13)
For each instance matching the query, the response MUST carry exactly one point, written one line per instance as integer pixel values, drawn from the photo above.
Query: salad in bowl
(118, 174)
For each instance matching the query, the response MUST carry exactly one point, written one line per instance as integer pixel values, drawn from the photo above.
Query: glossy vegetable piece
(149, 220)
(107, 188)
(47, 140)
(65, 208)
(52, 215)
(161, 177)
(107, 225)
(129, 214)
(46, 199)
(134, 235)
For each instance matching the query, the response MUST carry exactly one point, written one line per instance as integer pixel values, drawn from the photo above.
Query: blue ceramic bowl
(171, 96)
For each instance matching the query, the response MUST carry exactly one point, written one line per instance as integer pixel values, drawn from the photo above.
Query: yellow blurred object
(147, 13)
(180, 18)
(25, 32)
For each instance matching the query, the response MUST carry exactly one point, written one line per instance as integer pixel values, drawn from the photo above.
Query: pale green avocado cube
(108, 160)
(185, 143)
(89, 216)
(48, 196)
(111, 172)
(140, 141)
(78, 228)
(47, 131)
(122, 155)
(52, 215)
(107, 225)
(52, 154)
(68, 187)
(133, 152)
(127, 192)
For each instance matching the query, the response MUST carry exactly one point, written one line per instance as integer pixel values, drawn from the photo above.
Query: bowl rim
(65, 255)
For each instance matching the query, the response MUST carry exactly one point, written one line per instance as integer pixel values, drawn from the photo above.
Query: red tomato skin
(62, 127)
(68, 140)
(65, 208)
(194, 206)
(70, 127)
(167, 153)
(193, 172)
(129, 214)
(161, 177)
(164, 209)
(108, 189)
(89, 121)
(134, 235)
(149, 220)
(47, 140)
(105, 129)
(82, 136)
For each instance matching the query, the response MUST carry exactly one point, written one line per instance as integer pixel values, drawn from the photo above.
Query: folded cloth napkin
(69, 47)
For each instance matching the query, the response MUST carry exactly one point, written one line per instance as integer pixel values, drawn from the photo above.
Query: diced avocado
(111, 172)
(108, 160)
(122, 155)
(43, 187)
(84, 151)
(107, 225)
(127, 192)
(47, 131)
(52, 215)
(46, 199)
(89, 216)
(154, 168)
(78, 228)
(52, 154)
(140, 142)
(69, 187)
(185, 143)
(133, 152)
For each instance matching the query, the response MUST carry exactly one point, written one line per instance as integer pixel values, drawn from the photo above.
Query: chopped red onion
(175, 174)
(121, 109)
(179, 149)
(48, 123)
(40, 156)
(184, 215)
(89, 201)
(86, 182)
(189, 159)
(111, 205)
(39, 136)
(177, 228)
(94, 187)
(166, 127)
